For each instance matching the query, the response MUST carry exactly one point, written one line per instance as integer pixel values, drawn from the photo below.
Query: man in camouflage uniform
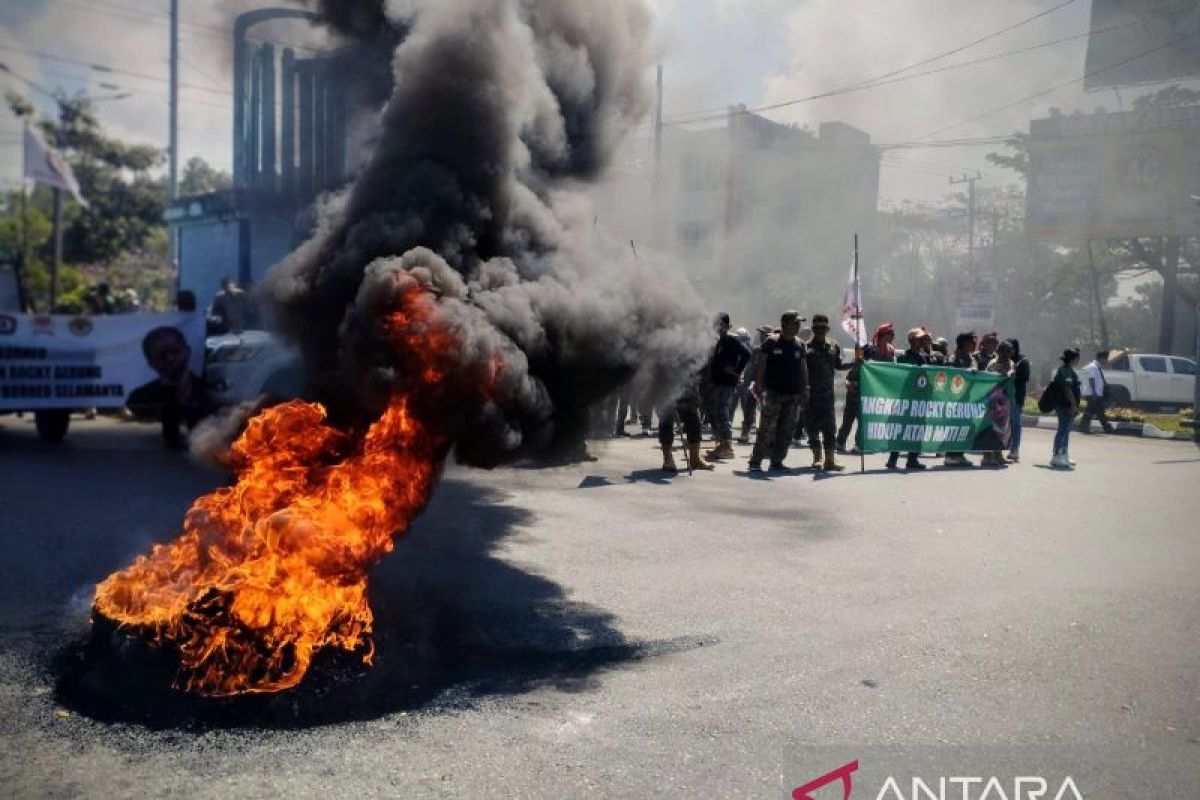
(781, 385)
(823, 358)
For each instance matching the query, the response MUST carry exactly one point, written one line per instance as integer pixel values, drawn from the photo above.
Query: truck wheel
(52, 424)
(1120, 396)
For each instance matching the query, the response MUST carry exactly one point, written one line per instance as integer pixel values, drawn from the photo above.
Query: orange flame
(272, 569)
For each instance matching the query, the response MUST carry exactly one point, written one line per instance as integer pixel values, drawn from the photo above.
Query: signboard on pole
(1109, 176)
(977, 292)
(1142, 41)
(933, 409)
(95, 362)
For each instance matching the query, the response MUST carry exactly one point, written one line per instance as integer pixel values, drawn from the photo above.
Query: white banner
(852, 310)
(44, 164)
(95, 362)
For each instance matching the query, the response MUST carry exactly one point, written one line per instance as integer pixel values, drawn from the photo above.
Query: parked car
(1149, 379)
(243, 366)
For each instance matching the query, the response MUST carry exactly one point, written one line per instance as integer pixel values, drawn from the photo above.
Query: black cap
(820, 319)
(789, 316)
(722, 318)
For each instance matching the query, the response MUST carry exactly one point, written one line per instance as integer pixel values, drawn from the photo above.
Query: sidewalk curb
(1143, 430)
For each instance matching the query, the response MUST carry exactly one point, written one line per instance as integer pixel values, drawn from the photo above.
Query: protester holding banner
(939, 353)
(1001, 364)
(1021, 374)
(913, 356)
(881, 347)
(963, 357)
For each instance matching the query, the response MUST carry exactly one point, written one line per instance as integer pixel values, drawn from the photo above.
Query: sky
(715, 53)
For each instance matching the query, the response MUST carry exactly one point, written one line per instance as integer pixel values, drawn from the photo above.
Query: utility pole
(173, 134)
(657, 216)
(1096, 299)
(970, 180)
(658, 123)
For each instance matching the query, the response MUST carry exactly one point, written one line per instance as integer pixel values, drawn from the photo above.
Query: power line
(28, 82)
(111, 69)
(876, 80)
(1062, 85)
(200, 29)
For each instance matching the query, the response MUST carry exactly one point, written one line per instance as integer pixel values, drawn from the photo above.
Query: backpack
(1051, 397)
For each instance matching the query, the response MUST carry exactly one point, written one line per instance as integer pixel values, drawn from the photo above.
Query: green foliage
(147, 272)
(1168, 97)
(119, 238)
(1017, 159)
(199, 177)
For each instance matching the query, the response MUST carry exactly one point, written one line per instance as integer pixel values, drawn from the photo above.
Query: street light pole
(173, 133)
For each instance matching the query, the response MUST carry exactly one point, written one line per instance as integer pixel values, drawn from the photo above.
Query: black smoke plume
(500, 111)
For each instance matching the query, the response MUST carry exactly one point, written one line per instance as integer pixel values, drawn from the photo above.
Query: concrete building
(763, 214)
(289, 145)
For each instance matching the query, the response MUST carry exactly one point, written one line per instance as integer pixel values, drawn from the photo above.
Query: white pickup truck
(1151, 379)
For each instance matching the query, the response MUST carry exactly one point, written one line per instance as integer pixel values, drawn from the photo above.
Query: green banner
(933, 409)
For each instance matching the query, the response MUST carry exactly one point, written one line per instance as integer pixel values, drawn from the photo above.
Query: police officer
(781, 386)
(823, 357)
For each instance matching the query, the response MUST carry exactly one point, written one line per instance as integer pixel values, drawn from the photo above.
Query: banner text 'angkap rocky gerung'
(934, 409)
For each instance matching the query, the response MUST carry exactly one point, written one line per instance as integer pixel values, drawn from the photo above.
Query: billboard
(1110, 176)
(1142, 41)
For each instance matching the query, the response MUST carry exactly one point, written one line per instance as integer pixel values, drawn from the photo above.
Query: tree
(200, 177)
(125, 198)
(1164, 255)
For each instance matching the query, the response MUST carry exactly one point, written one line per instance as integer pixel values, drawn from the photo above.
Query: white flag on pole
(852, 310)
(44, 164)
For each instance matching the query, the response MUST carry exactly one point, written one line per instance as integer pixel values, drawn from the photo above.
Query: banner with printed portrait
(934, 409)
(52, 361)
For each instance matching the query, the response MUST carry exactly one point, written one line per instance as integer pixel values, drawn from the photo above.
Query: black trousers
(689, 414)
(1097, 408)
(849, 417)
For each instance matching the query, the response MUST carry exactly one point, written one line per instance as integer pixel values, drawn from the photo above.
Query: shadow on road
(454, 623)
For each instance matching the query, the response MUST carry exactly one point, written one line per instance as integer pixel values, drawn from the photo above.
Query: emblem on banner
(958, 385)
(939, 382)
(8, 325)
(80, 326)
(43, 325)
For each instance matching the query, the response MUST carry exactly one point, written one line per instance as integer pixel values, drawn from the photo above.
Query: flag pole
(58, 247)
(858, 357)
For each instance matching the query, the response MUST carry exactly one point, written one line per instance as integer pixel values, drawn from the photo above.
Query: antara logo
(957, 788)
(960, 788)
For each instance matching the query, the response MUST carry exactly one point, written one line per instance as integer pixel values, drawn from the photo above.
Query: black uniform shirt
(782, 371)
(728, 360)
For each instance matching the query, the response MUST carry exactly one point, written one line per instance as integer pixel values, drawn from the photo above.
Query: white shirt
(1095, 377)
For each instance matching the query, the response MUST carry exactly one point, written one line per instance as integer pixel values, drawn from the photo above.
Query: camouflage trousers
(777, 421)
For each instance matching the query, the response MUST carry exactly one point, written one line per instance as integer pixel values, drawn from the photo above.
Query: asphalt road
(601, 630)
